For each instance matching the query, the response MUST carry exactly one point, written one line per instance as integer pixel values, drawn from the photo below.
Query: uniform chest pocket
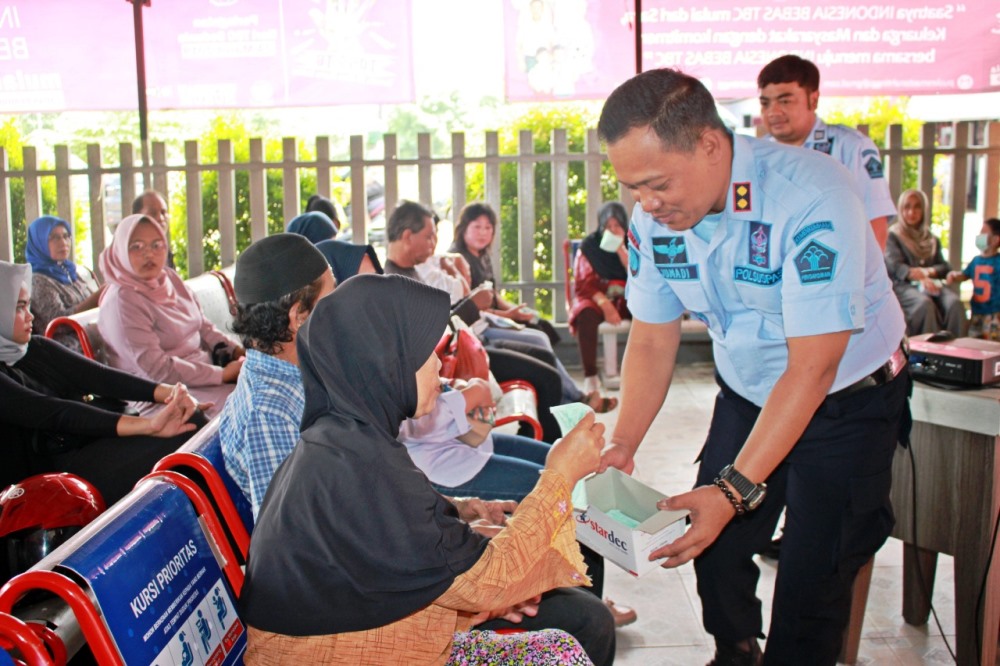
(693, 297)
(759, 290)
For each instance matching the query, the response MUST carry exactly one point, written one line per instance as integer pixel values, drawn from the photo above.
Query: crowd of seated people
(407, 579)
(412, 240)
(160, 343)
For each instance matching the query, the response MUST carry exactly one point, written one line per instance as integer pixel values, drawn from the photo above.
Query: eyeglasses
(140, 247)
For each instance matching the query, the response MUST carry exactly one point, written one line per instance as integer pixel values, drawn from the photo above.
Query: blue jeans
(511, 473)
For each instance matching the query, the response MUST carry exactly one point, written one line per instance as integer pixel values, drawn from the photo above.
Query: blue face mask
(982, 242)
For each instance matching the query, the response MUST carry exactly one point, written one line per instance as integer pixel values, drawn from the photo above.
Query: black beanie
(275, 266)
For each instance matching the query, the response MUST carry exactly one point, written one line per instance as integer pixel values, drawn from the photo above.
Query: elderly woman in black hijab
(355, 559)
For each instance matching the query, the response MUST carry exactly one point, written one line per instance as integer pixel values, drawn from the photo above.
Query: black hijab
(351, 536)
(345, 258)
(605, 264)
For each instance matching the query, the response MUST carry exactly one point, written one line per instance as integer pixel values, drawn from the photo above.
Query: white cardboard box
(627, 547)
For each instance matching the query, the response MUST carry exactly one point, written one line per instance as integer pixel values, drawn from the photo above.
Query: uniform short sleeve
(824, 267)
(650, 298)
(870, 174)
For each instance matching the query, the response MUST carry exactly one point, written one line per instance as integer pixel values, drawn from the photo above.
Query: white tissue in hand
(567, 416)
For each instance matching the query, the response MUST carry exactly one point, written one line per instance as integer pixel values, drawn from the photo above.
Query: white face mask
(982, 242)
(611, 242)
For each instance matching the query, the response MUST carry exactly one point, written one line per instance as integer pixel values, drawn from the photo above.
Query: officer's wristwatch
(752, 493)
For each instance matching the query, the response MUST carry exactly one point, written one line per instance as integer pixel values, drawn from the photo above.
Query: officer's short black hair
(678, 107)
(790, 69)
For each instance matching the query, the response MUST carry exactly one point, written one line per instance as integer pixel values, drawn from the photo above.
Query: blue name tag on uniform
(686, 272)
(751, 275)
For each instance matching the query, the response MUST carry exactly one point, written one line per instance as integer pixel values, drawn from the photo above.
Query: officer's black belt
(882, 376)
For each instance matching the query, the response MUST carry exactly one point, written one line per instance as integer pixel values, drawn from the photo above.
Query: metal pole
(140, 75)
(638, 36)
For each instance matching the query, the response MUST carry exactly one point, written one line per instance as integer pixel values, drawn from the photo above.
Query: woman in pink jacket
(151, 322)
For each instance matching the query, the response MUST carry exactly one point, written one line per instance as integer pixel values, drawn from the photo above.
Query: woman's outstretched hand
(578, 453)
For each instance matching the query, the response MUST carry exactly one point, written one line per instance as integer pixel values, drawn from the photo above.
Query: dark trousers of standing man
(834, 486)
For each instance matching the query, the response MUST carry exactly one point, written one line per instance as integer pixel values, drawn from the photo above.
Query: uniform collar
(743, 196)
(819, 132)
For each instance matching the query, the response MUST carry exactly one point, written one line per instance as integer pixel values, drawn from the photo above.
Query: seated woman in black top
(45, 423)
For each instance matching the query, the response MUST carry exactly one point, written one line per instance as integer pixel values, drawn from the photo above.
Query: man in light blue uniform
(770, 246)
(789, 95)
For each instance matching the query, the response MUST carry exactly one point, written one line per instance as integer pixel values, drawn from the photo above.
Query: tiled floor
(669, 629)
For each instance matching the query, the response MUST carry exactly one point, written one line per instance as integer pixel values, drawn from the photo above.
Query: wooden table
(956, 455)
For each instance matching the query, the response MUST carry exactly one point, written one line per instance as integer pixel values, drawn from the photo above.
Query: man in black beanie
(278, 282)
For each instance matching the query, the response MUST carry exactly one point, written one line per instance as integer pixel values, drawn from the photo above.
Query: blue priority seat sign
(159, 586)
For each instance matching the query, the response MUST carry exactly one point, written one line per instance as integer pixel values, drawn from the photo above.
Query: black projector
(962, 361)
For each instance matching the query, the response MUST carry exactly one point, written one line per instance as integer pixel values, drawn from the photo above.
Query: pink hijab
(117, 268)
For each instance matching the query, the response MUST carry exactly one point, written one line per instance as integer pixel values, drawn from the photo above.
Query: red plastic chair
(519, 403)
(89, 618)
(22, 637)
(81, 333)
(192, 456)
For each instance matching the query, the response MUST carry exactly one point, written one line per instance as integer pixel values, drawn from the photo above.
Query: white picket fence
(982, 159)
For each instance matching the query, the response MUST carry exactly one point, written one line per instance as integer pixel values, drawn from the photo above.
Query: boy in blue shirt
(984, 271)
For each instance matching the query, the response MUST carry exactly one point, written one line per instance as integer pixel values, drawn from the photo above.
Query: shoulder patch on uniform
(633, 260)
(741, 197)
(633, 235)
(874, 167)
(818, 134)
(810, 229)
(815, 263)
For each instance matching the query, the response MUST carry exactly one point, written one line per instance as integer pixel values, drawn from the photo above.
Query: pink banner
(906, 47)
(61, 55)
(65, 54)
(267, 53)
(566, 49)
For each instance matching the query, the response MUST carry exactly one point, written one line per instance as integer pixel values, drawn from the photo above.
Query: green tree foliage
(880, 114)
(234, 128)
(11, 141)
(541, 120)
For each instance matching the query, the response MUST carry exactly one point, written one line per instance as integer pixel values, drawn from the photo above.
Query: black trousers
(115, 464)
(834, 487)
